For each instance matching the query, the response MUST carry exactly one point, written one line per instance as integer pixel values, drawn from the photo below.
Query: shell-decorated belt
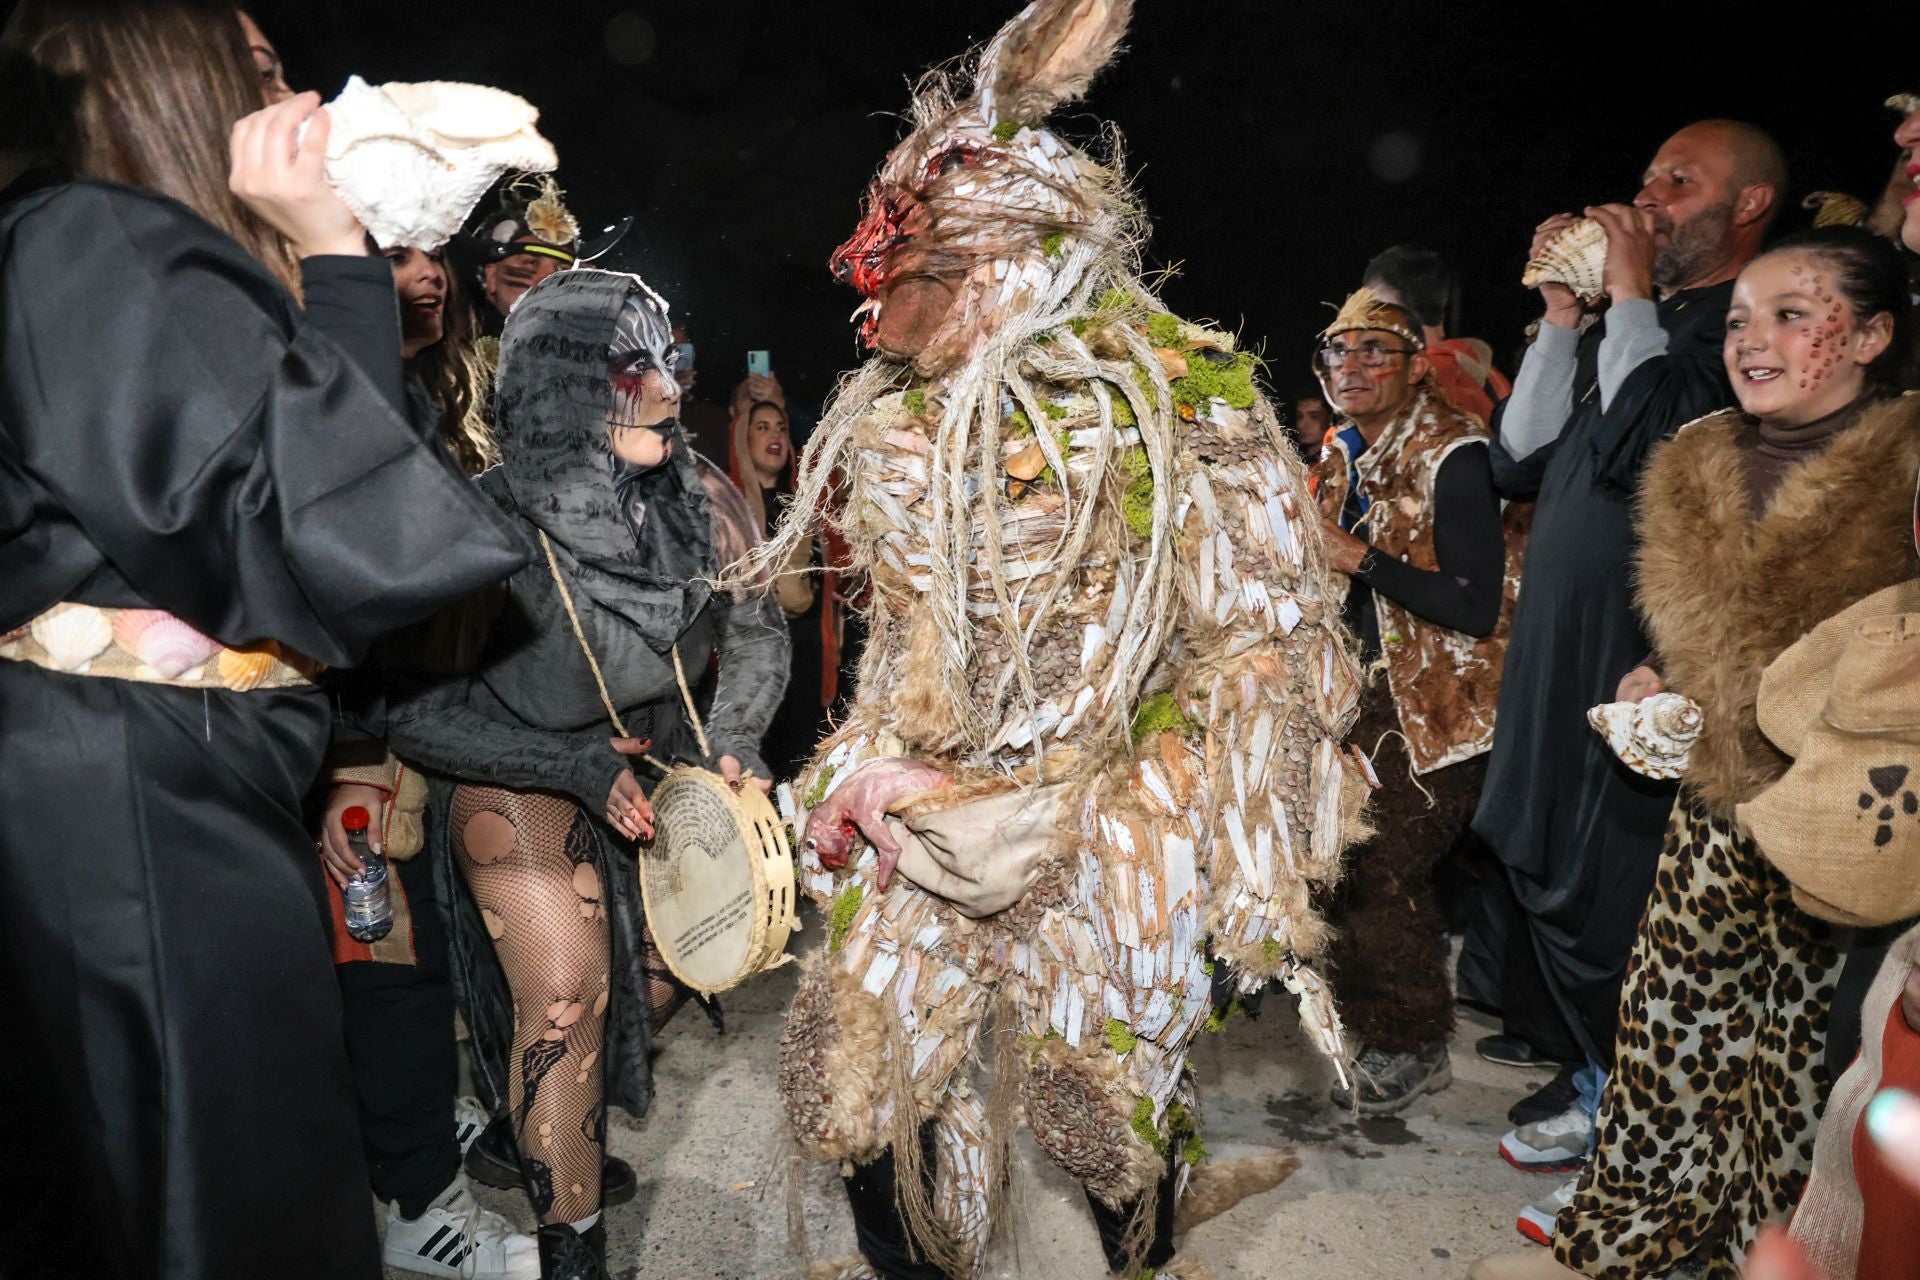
(152, 647)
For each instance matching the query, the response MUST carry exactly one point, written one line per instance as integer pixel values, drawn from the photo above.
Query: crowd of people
(300, 539)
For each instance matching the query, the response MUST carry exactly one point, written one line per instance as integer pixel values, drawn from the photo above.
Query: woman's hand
(282, 177)
(1640, 684)
(628, 810)
(1344, 551)
(732, 774)
(336, 855)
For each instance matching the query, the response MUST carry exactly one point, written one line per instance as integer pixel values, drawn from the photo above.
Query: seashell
(412, 160)
(1577, 258)
(1173, 362)
(242, 670)
(1835, 209)
(1653, 737)
(1905, 103)
(162, 641)
(73, 636)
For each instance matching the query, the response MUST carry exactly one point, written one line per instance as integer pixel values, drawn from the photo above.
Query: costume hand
(628, 810)
(1633, 241)
(1640, 684)
(336, 855)
(1564, 307)
(1344, 551)
(732, 773)
(285, 181)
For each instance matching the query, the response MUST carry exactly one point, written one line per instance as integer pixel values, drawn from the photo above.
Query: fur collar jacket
(1724, 593)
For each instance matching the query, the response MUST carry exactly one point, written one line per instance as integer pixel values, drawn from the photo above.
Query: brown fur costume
(1724, 594)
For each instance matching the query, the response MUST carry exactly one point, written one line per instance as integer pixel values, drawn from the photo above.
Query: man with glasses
(1409, 514)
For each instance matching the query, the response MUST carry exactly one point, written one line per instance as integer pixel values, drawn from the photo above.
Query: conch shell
(73, 635)
(412, 160)
(1653, 737)
(1577, 258)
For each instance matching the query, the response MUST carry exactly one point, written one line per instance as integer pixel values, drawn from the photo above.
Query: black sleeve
(352, 301)
(166, 403)
(435, 725)
(1662, 395)
(1464, 593)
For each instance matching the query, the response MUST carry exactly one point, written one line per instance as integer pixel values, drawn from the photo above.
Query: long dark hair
(456, 378)
(142, 92)
(1872, 274)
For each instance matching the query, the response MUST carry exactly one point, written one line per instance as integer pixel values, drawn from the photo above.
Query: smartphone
(758, 364)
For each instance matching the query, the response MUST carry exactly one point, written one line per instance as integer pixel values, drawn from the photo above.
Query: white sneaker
(455, 1237)
(470, 1120)
(1536, 1220)
(1558, 1144)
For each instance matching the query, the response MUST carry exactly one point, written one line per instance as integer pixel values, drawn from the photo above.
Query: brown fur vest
(1445, 683)
(1724, 594)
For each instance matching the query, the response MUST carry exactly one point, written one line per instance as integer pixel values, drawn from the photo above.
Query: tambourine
(718, 880)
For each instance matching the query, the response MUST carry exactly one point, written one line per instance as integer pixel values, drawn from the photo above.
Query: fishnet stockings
(530, 862)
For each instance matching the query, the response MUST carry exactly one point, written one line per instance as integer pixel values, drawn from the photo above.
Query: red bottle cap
(356, 819)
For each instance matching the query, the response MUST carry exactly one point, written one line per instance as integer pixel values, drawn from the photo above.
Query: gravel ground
(1420, 1195)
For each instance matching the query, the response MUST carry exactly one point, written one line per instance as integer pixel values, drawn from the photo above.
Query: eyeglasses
(1371, 355)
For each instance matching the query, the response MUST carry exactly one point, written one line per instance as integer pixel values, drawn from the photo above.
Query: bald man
(1578, 833)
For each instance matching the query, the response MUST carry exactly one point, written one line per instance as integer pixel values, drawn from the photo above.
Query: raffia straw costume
(1099, 610)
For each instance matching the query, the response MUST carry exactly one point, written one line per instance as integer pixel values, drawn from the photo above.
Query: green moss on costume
(1052, 410)
(1114, 300)
(1136, 504)
(845, 908)
(1163, 330)
(1143, 1127)
(1272, 949)
(1195, 1150)
(1006, 129)
(1231, 380)
(1022, 424)
(1121, 1037)
(1055, 245)
(1159, 714)
(916, 402)
(820, 785)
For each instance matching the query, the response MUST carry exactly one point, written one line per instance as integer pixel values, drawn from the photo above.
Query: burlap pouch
(981, 856)
(1843, 823)
(406, 830)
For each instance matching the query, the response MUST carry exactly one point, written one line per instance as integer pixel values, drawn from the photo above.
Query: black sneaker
(566, 1254)
(494, 1158)
(1511, 1051)
(1385, 1083)
(1548, 1101)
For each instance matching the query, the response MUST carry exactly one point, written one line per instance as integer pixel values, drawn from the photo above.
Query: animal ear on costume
(1048, 55)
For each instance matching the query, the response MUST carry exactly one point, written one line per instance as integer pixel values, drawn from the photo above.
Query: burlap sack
(1794, 687)
(1843, 823)
(984, 855)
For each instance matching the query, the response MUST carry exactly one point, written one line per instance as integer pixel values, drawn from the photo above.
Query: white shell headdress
(412, 160)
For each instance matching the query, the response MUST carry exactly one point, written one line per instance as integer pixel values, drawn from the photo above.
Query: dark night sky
(1263, 135)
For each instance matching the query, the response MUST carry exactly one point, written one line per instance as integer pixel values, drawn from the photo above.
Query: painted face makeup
(1368, 373)
(642, 418)
(1793, 349)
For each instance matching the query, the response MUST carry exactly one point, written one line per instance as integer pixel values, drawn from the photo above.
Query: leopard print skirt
(1706, 1129)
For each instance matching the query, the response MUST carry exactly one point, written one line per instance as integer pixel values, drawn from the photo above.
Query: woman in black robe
(179, 442)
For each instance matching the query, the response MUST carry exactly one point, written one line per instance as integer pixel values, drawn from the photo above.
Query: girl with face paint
(1754, 524)
(541, 804)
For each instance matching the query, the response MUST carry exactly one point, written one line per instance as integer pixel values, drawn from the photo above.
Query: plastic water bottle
(369, 899)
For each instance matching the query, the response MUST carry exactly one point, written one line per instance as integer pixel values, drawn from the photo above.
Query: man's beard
(1694, 246)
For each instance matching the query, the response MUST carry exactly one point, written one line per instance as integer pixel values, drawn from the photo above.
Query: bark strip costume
(1106, 655)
